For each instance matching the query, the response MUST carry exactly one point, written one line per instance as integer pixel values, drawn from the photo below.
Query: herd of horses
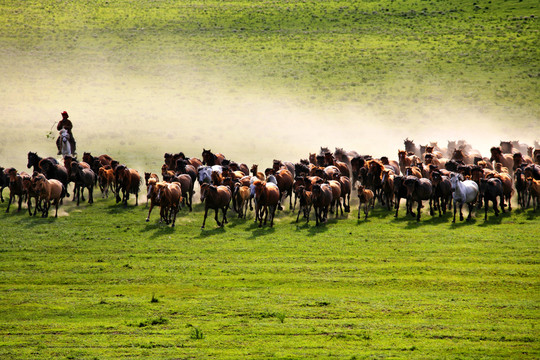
(442, 177)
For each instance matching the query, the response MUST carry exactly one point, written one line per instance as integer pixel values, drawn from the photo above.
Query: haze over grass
(276, 79)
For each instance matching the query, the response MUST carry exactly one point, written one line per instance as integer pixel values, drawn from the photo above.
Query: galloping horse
(34, 159)
(322, 197)
(49, 190)
(366, 197)
(215, 197)
(267, 196)
(418, 190)
(490, 189)
(497, 155)
(211, 159)
(127, 182)
(442, 192)
(464, 192)
(168, 196)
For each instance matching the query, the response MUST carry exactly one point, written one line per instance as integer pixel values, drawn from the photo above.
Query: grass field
(263, 80)
(102, 283)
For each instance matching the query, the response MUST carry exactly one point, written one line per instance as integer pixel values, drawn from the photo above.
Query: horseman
(65, 123)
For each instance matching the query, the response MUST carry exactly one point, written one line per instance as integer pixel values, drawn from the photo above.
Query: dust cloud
(135, 116)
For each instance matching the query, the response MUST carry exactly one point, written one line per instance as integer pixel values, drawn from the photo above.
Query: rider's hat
(64, 113)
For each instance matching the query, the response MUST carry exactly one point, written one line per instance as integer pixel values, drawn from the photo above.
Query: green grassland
(101, 283)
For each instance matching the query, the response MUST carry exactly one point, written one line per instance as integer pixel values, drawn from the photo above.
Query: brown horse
(406, 160)
(322, 198)
(267, 197)
(53, 170)
(336, 196)
(461, 155)
(106, 180)
(16, 188)
(30, 191)
(346, 189)
(533, 188)
(215, 197)
(256, 173)
(366, 197)
(83, 178)
(169, 196)
(285, 182)
(127, 182)
(151, 195)
(519, 159)
(242, 194)
(306, 201)
(387, 187)
(418, 190)
(211, 159)
(497, 155)
(186, 185)
(507, 185)
(49, 191)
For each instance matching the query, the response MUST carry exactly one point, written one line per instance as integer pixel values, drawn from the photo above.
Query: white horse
(205, 173)
(463, 192)
(65, 143)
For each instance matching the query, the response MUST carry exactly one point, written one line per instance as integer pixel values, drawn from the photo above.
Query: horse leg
(205, 214)
(366, 210)
(225, 208)
(149, 211)
(486, 205)
(454, 220)
(495, 208)
(91, 194)
(471, 206)
(216, 217)
(56, 207)
(397, 206)
(272, 213)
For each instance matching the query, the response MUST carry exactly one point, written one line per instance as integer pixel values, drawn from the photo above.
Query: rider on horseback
(65, 123)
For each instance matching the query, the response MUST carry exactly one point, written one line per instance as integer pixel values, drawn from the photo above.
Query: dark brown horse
(211, 159)
(53, 170)
(489, 190)
(215, 197)
(34, 159)
(442, 192)
(83, 178)
(186, 185)
(16, 188)
(322, 198)
(128, 181)
(418, 190)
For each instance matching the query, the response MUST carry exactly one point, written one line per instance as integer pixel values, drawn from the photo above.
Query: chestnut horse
(127, 182)
(49, 191)
(366, 197)
(215, 197)
(506, 160)
(169, 196)
(267, 197)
